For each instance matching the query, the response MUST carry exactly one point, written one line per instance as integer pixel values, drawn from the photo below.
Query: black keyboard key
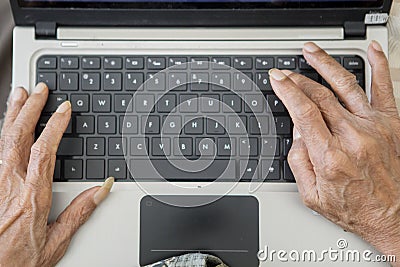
(91, 63)
(53, 101)
(249, 147)
(353, 63)
(226, 146)
(243, 63)
(161, 146)
(275, 104)
(116, 146)
(73, 169)
(254, 104)
(117, 169)
(101, 103)
(49, 78)
(221, 81)
(287, 172)
(243, 81)
(283, 125)
(173, 125)
(360, 79)
(199, 63)
(95, 169)
(112, 63)
(258, 123)
(270, 171)
(270, 147)
(221, 63)
(156, 63)
(139, 146)
(144, 103)
(69, 81)
(205, 147)
(264, 63)
(303, 64)
(188, 103)
(70, 146)
(90, 81)
(156, 82)
(233, 103)
(210, 103)
(151, 124)
(199, 81)
(248, 169)
(122, 103)
(41, 124)
(162, 168)
(166, 103)
(263, 82)
(95, 146)
(47, 63)
(112, 81)
(287, 144)
(84, 124)
(237, 125)
(183, 146)
(80, 103)
(67, 63)
(134, 63)
(178, 63)
(128, 124)
(287, 63)
(106, 125)
(216, 125)
(177, 81)
(194, 125)
(133, 81)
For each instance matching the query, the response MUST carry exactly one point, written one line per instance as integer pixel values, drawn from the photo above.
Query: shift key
(70, 146)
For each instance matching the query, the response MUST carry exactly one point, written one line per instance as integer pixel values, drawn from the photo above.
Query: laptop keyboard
(100, 89)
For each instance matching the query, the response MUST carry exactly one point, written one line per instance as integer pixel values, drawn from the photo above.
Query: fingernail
(296, 134)
(311, 47)
(40, 88)
(377, 46)
(17, 94)
(277, 74)
(103, 192)
(64, 107)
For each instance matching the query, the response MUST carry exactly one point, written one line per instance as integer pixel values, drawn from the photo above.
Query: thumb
(60, 232)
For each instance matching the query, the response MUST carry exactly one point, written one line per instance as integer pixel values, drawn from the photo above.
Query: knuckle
(307, 110)
(41, 147)
(346, 81)
(331, 164)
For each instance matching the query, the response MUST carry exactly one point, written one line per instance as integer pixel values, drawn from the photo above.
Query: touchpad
(226, 228)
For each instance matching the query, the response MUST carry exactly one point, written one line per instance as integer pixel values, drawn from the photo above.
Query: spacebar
(70, 147)
(163, 169)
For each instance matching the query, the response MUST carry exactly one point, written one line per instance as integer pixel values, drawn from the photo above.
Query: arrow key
(270, 171)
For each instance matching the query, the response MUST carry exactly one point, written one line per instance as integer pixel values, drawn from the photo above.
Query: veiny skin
(26, 174)
(346, 160)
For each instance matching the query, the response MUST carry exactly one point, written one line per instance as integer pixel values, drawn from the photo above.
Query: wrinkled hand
(26, 174)
(346, 160)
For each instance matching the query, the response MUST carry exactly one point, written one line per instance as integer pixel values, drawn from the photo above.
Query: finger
(72, 218)
(304, 112)
(15, 104)
(303, 171)
(343, 82)
(43, 156)
(382, 97)
(331, 110)
(30, 112)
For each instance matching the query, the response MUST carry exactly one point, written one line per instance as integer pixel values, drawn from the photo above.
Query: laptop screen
(201, 4)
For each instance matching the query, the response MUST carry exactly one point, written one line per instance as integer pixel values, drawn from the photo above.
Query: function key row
(199, 63)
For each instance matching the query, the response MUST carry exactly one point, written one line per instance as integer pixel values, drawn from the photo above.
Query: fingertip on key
(277, 74)
(64, 107)
(40, 88)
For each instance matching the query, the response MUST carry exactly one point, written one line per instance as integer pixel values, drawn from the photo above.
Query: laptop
(173, 99)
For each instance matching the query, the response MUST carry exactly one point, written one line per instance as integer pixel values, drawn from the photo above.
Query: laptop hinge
(46, 30)
(354, 29)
